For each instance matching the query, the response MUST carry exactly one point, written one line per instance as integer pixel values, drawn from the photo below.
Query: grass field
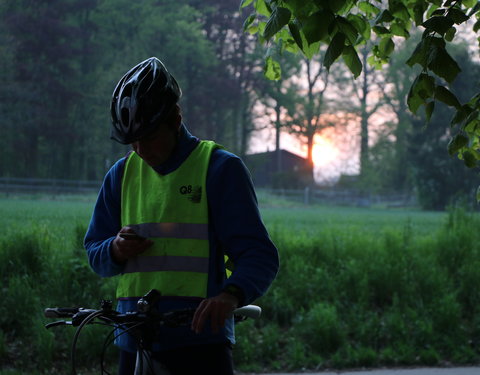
(357, 287)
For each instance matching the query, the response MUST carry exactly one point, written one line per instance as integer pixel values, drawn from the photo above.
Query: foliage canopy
(344, 25)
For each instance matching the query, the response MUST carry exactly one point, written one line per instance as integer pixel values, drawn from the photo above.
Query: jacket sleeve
(105, 224)
(238, 227)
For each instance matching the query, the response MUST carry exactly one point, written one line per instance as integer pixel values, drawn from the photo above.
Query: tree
(345, 25)
(440, 180)
(44, 41)
(61, 60)
(236, 77)
(276, 96)
(400, 77)
(364, 97)
(284, 108)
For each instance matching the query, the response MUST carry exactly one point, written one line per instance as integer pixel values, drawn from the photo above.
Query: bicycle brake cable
(86, 321)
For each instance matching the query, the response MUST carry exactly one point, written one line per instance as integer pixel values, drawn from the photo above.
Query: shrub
(320, 328)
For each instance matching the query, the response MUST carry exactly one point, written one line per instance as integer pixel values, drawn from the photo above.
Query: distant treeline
(60, 61)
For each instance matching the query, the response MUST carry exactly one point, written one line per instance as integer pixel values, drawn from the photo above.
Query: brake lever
(58, 323)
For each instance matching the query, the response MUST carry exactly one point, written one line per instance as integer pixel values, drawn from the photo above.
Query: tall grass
(363, 297)
(43, 264)
(357, 287)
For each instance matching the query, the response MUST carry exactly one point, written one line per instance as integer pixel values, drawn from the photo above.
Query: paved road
(419, 371)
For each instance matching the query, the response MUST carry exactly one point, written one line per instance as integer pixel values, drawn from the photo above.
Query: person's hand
(125, 248)
(218, 309)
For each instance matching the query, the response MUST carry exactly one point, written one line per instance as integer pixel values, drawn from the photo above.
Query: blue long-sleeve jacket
(235, 228)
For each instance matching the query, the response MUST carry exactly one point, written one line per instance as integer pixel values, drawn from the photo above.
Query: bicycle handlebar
(145, 312)
(64, 312)
(249, 311)
(145, 315)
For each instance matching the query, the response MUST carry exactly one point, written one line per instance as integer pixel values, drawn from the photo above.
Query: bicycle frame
(145, 315)
(145, 364)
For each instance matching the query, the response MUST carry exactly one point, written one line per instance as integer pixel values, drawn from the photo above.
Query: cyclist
(167, 216)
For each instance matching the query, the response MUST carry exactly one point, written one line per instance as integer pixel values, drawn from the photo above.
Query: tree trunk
(364, 157)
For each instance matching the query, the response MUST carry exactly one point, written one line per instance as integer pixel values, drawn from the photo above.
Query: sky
(335, 151)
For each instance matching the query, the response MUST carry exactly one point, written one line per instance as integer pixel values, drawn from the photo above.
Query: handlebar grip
(60, 312)
(249, 311)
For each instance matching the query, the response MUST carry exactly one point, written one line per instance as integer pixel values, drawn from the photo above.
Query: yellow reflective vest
(172, 211)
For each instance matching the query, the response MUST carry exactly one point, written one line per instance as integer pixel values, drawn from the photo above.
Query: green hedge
(346, 296)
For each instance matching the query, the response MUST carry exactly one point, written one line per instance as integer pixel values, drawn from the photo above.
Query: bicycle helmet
(142, 99)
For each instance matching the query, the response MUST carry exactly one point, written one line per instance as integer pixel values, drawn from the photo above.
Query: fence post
(306, 195)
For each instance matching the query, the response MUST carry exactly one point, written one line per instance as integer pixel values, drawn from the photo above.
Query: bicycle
(140, 324)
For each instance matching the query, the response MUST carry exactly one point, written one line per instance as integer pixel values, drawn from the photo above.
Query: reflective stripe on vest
(172, 211)
(167, 263)
(172, 230)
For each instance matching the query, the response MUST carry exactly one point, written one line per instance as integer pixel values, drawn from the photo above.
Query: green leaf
(476, 26)
(253, 29)
(456, 143)
(439, 24)
(469, 159)
(429, 110)
(384, 16)
(272, 69)
(292, 26)
(422, 89)
(425, 86)
(418, 10)
(441, 63)
(445, 95)
(469, 3)
(373, 61)
(368, 8)
(399, 10)
(474, 10)
(351, 59)
(386, 46)
(472, 121)
(457, 15)
(461, 114)
(399, 30)
(245, 3)
(262, 8)
(310, 50)
(414, 101)
(248, 21)
(475, 101)
(450, 34)
(361, 24)
(381, 30)
(334, 50)
(420, 53)
(348, 29)
(316, 26)
(336, 5)
(439, 12)
(279, 18)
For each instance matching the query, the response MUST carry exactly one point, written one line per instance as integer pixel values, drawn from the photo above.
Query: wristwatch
(234, 291)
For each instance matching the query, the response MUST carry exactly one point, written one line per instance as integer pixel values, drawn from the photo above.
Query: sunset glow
(323, 152)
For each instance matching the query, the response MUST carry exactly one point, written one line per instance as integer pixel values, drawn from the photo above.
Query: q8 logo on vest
(193, 193)
(186, 189)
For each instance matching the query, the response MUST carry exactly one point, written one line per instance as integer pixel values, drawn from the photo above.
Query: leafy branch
(301, 26)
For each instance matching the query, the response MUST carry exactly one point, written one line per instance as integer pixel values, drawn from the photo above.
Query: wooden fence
(339, 197)
(50, 186)
(306, 196)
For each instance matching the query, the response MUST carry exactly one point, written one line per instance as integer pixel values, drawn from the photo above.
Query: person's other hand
(125, 248)
(218, 309)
